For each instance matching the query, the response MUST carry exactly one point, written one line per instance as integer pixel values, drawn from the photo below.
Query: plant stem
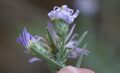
(52, 68)
(78, 64)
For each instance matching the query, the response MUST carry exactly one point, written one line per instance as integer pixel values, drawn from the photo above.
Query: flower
(77, 51)
(64, 13)
(26, 39)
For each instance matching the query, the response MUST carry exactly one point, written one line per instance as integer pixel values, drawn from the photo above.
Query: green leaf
(46, 58)
(83, 36)
(70, 33)
(52, 42)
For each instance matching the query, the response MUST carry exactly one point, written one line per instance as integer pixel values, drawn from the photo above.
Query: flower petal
(26, 38)
(64, 13)
(77, 51)
(34, 59)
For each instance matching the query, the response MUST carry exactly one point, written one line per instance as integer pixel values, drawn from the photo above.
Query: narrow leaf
(46, 58)
(83, 36)
(70, 33)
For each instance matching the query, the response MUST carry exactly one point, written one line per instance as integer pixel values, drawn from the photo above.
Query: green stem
(79, 60)
(52, 68)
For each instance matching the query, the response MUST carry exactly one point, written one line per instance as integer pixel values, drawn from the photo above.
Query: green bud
(61, 27)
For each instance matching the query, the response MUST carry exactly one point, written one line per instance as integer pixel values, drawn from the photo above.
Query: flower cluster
(63, 13)
(59, 44)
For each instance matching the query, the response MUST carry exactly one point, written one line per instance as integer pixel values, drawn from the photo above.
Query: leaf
(70, 33)
(52, 42)
(83, 36)
(46, 58)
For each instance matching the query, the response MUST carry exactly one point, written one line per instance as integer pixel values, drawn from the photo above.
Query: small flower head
(77, 51)
(26, 39)
(64, 13)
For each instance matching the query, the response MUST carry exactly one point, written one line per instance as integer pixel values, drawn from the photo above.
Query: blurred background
(100, 17)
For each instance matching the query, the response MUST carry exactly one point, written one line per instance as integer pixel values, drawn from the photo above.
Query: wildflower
(59, 44)
(64, 13)
(77, 51)
(26, 39)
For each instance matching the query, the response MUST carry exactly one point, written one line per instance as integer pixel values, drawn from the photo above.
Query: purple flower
(77, 51)
(64, 13)
(26, 39)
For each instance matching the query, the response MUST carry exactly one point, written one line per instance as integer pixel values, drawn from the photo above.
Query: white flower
(64, 13)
